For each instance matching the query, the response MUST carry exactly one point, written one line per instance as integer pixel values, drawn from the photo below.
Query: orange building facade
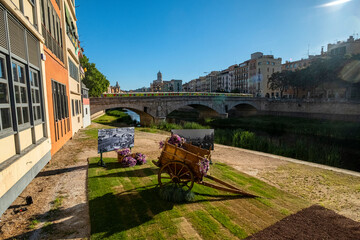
(56, 73)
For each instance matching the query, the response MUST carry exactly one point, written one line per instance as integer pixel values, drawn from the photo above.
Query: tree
(279, 81)
(94, 79)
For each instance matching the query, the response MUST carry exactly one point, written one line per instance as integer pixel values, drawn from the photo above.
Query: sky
(131, 40)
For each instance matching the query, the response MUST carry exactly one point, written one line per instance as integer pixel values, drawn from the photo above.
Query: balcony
(52, 44)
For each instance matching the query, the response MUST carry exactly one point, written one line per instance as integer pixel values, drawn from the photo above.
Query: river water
(134, 116)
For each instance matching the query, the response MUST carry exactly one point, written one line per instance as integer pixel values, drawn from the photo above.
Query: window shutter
(17, 38)
(33, 48)
(3, 40)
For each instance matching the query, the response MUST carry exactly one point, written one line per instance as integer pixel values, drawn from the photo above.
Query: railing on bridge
(174, 94)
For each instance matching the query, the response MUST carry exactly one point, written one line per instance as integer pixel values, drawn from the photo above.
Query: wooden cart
(181, 166)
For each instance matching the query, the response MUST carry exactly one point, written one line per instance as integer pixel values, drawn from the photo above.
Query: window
(35, 95)
(70, 28)
(259, 63)
(77, 107)
(60, 101)
(21, 98)
(73, 107)
(267, 63)
(5, 116)
(74, 73)
(60, 104)
(21, 2)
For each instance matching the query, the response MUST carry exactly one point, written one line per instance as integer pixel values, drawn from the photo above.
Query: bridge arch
(242, 109)
(146, 116)
(205, 109)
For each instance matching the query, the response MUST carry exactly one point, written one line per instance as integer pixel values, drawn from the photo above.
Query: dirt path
(60, 208)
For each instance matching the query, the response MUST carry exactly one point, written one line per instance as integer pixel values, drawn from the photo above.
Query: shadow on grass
(111, 215)
(134, 172)
(115, 213)
(218, 197)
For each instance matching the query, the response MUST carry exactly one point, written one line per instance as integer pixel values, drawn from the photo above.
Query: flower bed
(128, 159)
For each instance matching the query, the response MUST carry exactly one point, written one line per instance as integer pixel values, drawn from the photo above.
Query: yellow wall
(39, 133)
(10, 175)
(7, 148)
(25, 138)
(17, 3)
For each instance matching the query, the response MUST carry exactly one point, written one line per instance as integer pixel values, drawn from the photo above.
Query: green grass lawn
(125, 204)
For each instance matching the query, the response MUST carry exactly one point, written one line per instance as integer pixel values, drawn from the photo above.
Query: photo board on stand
(115, 138)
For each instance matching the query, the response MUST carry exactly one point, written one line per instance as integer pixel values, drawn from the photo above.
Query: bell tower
(159, 77)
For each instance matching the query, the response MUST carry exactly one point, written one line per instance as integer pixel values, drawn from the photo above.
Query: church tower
(159, 77)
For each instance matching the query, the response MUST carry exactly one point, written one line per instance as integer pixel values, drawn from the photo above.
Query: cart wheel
(176, 173)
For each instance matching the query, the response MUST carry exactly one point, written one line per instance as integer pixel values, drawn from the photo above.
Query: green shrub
(194, 125)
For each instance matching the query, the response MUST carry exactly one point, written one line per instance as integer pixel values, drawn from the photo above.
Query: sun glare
(334, 3)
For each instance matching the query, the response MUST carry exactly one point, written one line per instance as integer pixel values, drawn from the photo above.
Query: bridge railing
(174, 94)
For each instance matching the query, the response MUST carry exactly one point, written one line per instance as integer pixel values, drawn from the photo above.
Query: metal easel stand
(101, 161)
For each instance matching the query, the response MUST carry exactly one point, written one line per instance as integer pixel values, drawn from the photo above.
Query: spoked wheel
(177, 174)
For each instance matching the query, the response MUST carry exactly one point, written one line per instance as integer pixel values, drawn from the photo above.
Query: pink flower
(204, 166)
(124, 152)
(128, 161)
(140, 158)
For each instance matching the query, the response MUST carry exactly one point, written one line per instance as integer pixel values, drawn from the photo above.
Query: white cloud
(334, 3)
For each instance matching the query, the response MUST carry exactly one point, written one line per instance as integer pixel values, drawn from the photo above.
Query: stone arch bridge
(157, 108)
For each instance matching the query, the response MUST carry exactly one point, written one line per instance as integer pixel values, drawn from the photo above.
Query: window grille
(33, 48)
(74, 72)
(17, 38)
(3, 40)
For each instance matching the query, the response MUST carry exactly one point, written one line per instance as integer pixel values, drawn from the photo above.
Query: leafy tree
(279, 81)
(324, 73)
(94, 79)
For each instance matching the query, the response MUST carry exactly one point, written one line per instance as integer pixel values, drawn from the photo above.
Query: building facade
(350, 46)
(72, 52)
(159, 85)
(242, 77)
(114, 89)
(24, 127)
(56, 74)
(261, 67)
(41, 104)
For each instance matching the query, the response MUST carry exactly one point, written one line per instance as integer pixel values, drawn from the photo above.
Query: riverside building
(24, 127)
(40, 88)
